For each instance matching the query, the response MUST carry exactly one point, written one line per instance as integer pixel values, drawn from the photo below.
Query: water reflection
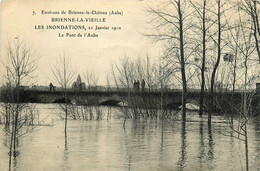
(182, 159)
(211, 144)
(162, 128)
(145, 144)
(201, 144)
(128, 150)
(15, 163)
(65, 163)
(257, 143)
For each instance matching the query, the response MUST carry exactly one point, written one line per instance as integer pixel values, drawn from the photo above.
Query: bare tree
(124, 73)
(91, 78)
(217, 38)
(19, 65)
(172, 27)
(244, 110)
(250, 7)
(201, 14)
(63, 75)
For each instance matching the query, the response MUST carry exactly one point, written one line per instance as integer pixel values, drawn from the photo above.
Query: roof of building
(79, 79)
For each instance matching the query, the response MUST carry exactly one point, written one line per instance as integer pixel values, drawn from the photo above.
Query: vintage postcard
(130, 85)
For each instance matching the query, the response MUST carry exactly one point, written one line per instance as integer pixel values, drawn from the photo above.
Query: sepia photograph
(130, 85)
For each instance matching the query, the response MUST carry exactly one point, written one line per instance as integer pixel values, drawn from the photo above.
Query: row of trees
(196, 34)
(21, 118)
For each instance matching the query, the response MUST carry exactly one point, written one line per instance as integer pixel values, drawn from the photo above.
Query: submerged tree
(218, 42)
(242, 107)
(63, 75)
(172, 25)
(19, 64)
(245, 114)
(202, 16)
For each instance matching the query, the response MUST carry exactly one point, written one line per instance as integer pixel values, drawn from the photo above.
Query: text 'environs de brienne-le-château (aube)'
(66, 22)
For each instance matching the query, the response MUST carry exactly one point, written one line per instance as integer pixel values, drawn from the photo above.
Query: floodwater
(143, 145)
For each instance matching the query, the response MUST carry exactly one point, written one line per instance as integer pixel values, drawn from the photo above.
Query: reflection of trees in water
(128, 149)
(257, 138)
(139, 142)
(162, 148)
(15, 162)
(65, 163)
(201, 145)
(88, 112)
(19, 120)
(138, 129)
(183, 152)
(203, 157)
(162, 128)
(211, 144)
(232, 152)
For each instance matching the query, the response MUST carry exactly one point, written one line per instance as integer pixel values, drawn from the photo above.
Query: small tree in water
(63, 75)
(242, 107)
(19, 65)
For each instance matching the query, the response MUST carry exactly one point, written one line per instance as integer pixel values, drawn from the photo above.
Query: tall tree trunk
(234, 84)
(255, 36)
(66, 117)
(10, 148)
(17, 100)
(203, 61)
(15, 129)
(246, 148)
(66, 97)
(184, 82)
(246, 113)
(212, 107)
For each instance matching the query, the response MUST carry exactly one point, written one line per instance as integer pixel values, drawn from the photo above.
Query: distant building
(78, 84)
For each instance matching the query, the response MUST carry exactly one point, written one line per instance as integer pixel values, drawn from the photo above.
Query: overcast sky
(19, 19)
(86, 53)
